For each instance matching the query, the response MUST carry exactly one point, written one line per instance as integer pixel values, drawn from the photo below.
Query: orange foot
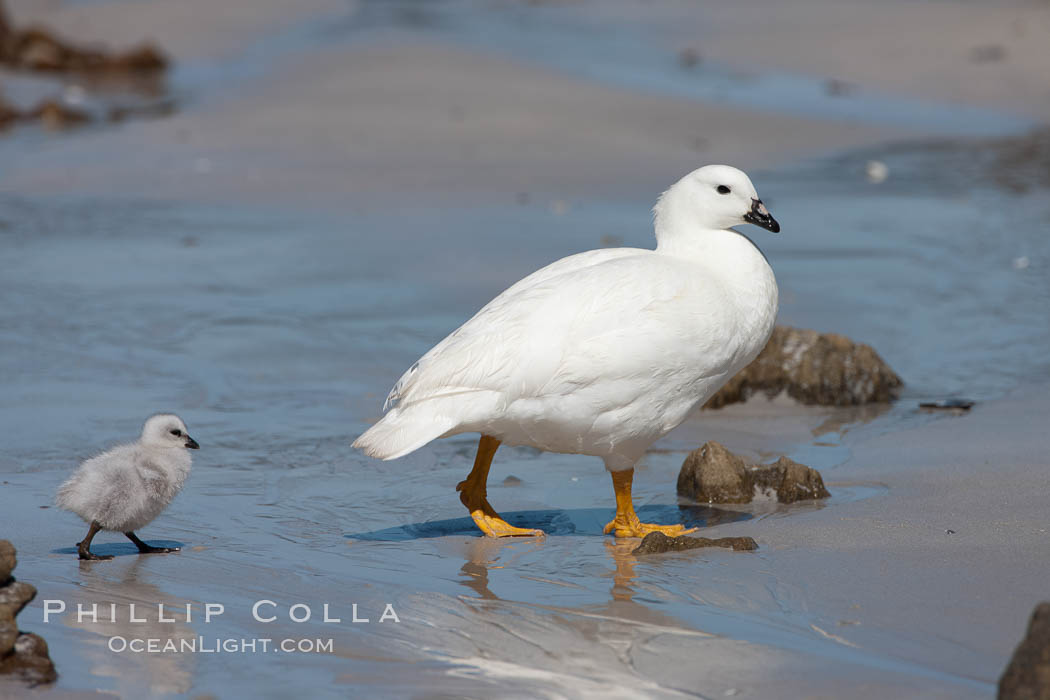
(636, 528)
(495, 526)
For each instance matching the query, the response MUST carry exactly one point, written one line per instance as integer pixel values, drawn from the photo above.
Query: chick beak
(191, 443)
(760, 216)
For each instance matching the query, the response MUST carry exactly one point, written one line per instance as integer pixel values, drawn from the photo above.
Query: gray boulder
(813, 368)
(713, 474)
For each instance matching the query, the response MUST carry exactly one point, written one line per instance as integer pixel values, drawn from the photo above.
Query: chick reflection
(138, 674)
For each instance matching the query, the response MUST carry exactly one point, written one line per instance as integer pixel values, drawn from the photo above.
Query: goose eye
(722, 189)
(176, 433)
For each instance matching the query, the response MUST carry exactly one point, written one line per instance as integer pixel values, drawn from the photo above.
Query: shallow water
(278, 349)
(276, 333)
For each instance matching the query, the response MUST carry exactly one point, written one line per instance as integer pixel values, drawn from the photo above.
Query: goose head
(714, 197)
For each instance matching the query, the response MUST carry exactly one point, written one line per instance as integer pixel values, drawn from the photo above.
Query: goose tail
(401, 432)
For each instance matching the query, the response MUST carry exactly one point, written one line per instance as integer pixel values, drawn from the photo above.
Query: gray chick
(126, 487)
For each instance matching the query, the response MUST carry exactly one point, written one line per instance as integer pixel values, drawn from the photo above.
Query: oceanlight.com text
(218, 645)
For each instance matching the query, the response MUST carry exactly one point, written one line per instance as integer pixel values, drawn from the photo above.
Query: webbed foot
(640, 529)
(495, 526)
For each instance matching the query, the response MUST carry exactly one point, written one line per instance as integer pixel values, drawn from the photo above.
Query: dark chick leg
(148, 549)
(84, 546)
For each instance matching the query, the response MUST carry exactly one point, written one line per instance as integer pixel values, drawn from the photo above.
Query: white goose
(600, 353)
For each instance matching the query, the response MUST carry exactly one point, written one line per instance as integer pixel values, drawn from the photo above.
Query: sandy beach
(342, 184)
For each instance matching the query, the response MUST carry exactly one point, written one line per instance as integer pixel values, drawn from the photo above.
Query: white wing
(592, 317)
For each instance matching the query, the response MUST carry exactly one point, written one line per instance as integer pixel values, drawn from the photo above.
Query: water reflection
(623, 568)
(563, 559)
(482, 554)
(845, 418)
(136, 674)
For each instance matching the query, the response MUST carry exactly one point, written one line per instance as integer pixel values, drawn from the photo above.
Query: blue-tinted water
(276, 333)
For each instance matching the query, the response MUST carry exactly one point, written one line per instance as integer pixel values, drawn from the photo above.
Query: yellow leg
(474, 495)
(626, 522)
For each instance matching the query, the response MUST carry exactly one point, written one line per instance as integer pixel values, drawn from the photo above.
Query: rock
(145, 58)
(1027, 676)
(30, 661)
(22, 654)
(5, 26)
(8, 560)
(8, 634)
(39, 49)
(14, 596)
(36, 49)
(55, 116)
(813, 368)
(954, 406)
(790, 480)
(9, 114)
(658, 542)
(713, 474)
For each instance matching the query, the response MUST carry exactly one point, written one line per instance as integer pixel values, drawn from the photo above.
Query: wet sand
(321, 209)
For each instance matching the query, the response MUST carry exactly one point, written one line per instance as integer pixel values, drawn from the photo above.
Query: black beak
(191, 443)
(760, 216)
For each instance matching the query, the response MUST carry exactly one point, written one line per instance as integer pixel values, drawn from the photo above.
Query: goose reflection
(482, 554)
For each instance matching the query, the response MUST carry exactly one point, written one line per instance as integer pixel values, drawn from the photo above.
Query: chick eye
(722, 189)
(176, 433)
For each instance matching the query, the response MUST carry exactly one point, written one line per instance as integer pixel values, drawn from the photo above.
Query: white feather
(128, 486)
(602, 352)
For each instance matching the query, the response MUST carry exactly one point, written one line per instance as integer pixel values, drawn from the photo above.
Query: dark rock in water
(144, 58)
(30, 661)
(14, 596)
(512, 481)
(813, 368)
(22, 654)
(658, 542)
(1027, 676)
(8, 560)
(713, 474)
(38, 49)
(9, 114)
(950, 405)
(55, 116)
(8, 634)
(791, 481)
(51, 114)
